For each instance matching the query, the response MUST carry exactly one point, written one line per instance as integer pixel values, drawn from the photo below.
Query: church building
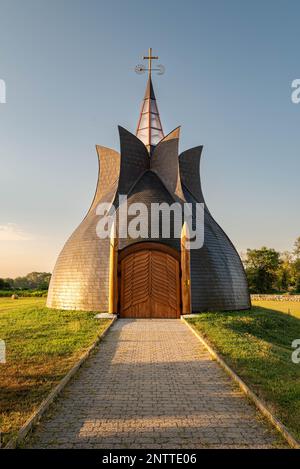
(149, 276)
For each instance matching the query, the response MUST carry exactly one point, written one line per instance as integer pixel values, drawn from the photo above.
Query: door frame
(148, 246)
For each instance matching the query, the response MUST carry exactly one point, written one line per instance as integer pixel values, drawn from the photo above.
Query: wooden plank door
(165, 288)
(150, 285)
(135, 288)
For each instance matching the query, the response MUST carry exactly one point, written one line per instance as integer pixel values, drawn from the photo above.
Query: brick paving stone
(152, 384)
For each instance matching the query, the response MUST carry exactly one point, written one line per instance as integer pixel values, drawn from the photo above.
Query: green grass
(288, 307)
(23, 293)
(257, 345)
(41, 346)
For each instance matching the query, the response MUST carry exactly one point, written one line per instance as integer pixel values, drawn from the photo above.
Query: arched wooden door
(150, 282)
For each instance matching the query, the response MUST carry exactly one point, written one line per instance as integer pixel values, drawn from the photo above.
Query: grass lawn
(41, 346)
(257, 345)
(288, 307)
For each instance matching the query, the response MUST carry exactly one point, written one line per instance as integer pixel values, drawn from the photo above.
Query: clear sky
(69, 71)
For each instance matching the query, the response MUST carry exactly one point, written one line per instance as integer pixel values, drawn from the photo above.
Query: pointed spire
(149, 129)
(149, 93)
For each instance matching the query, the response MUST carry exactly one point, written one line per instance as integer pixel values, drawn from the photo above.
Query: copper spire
(149, 129)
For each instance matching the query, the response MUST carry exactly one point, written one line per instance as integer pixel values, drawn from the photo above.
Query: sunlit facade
(156, 273)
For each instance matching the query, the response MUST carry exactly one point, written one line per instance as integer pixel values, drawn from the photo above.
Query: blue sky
(69, 71)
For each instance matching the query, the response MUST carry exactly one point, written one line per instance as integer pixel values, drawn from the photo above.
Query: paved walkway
(152, 384)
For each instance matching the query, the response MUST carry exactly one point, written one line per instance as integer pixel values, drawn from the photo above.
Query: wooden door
(150, 286)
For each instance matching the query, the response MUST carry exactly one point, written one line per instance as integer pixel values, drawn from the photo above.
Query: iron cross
(150, 57)
(141, 68)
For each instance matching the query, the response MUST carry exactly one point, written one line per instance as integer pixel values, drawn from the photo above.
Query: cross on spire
(150, 57)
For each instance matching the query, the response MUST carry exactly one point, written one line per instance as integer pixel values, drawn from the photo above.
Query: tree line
(269, 271)
(32, 281)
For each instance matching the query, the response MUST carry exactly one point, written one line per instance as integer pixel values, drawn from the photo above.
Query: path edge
(260, 405)
(45, 404)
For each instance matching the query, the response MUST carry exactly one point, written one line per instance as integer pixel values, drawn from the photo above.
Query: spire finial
(149, 128)
(160, 69)
(150, 57)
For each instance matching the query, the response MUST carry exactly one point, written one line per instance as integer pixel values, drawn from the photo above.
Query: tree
(38, 280)
(285, 274)
(296, 273)
(295, 267)
(296, 250)
(3, 284)
(261, 268)
(10, 282)
(32, 281)
(21, 283)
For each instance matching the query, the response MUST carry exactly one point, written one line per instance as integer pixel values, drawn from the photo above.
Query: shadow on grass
(272, 326)
(258, 344)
